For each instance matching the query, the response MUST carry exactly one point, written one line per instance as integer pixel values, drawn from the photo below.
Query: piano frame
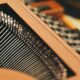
(70, 57)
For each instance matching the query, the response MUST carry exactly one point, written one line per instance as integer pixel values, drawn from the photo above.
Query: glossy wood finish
(63, 50)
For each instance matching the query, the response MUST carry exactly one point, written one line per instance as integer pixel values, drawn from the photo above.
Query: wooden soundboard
(70, 57)
(7, 74)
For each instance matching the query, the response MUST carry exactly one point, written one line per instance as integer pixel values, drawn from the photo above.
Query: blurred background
(71, 7)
